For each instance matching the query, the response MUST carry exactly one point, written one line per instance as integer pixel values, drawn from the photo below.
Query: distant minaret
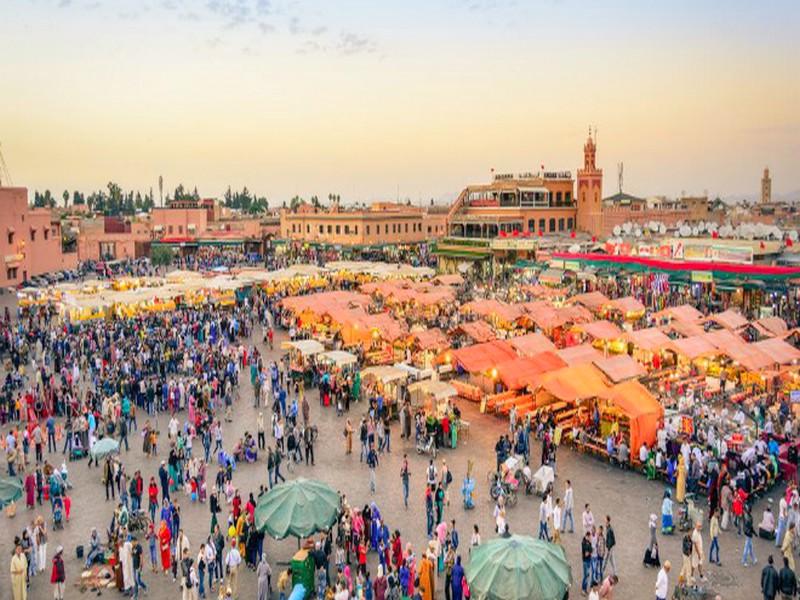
(590, 190)
(766, 187)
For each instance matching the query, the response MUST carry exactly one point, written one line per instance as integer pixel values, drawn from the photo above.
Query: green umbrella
(297, 508)
(518, 567)
(104, 447)
(10, 490)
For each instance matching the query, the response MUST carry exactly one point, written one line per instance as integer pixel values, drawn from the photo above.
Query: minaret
(590, 190)
(766, 187)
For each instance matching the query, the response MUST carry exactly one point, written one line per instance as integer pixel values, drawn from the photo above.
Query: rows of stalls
(386, 382)
(435, 401)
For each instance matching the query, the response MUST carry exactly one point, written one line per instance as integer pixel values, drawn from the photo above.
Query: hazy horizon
(363, 100)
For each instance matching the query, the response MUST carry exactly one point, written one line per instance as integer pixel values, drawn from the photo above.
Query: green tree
(161, 255)
(65, 196)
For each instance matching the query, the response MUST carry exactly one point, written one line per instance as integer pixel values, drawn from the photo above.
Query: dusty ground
(626, 496)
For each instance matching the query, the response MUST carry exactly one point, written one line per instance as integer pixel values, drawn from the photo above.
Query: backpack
(686, 545)
(449, 478)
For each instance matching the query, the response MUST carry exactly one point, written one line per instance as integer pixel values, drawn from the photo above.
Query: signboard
(556, 264)
(794, 396)
(702, 277)
(732, 254)
(572, 265)
(723, 253)
(513, 244)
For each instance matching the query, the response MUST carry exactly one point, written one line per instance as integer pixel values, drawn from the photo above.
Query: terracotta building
(590, 191)
(30, 239)
(113, 238)
(381, 223)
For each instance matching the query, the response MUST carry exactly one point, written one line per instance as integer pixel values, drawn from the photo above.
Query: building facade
(113, 238)
(30, 239)
(590, 191)
(382, 223)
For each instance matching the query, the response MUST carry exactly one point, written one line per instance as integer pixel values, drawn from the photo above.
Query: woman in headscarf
(427, 577)
(264, 574)
(30, 490)
(164, 538)
(456, 579)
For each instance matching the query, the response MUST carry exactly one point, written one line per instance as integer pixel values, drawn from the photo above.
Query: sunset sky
(365, 98)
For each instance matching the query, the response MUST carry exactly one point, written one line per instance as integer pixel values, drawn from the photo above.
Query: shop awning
(592, 300)
(438, 389)
(531, 344)
(551, 276)
(340, 358)
(685, 328)
(748, 356)
(694, 347)
(572, 384)
(480, 358)
(519, 373)
(729, 319)
(723, 338)
(579, 355)
(477, 331)
(685, 312)
(651, 339)
(779, 351)
(431, 339)
(620, 368)
(644, 411)
(772, 326)
(306, 347)
(384, 373)
(627, 305)
(602, 330)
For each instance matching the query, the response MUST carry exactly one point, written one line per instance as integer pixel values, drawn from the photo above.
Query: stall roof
(651, 339)
(685, 328)
(531, 344)
(591, 300)
(494, 308)
(778, 350)
(602, 330)
(694, 347)
(730, 319)
(572, 383)
(772, 326)
(306, 347)
(620, 368)
(685, 312)
(633, 398)
(579, 355)
(384, 373)
(437, 389)
(553, 276)
(519, 373)
(478, 331)
(431, 339)
(338, 357)
(748, 356)
(627, 305)
(479, 358)
(723, 338)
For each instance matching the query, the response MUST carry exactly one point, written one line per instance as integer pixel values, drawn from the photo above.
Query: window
(11, 273)
(367, 229)
(558, 198)
(322, 229)
(46, 232)
(169, 229)
(308, 228)
(570, 224)
(568, 198)
(10, 237)
(347, 229)
(356, 229)
(330, 229)
(406, 227)
(338, 229)
(561, 224)
(180, 229)
(541, 225)
(429, 228)
(552, 224)
(386, 228)
(33, 234)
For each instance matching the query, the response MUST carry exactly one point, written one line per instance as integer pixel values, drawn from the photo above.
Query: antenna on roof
(620, 168)
(5, 174)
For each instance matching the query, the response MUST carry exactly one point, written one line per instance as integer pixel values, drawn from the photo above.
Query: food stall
(302, 357)
(433, 397)
(387, 382)
(338, 360)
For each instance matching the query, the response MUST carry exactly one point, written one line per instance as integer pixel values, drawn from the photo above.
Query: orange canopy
(772, 326)
(779, 351)
(627, 305)
(686, 313)
(729, 319)
(478, 331)
(519, 373)
(651, 339)
(572, 384)
(480, 358)
(579, 355)
(685, 328)
(431, 339)
(494, 309)
(748, 356)
(621, 367)
(723, 338)
(601, 330)
(591, 300)
(694, 347)
(643, 410)
(531, 344)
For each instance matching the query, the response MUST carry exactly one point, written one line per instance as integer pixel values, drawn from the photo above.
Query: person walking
(697, 552)
(788, 581)
(788, 544)
(232, 562)
(58, 575)
(404, 477)
(569, 503)
(586, 557)
(714, 533)
(748, 539)
(662, 581)
(770, 581)
(611, 542)
(372, 463)
(543, 533)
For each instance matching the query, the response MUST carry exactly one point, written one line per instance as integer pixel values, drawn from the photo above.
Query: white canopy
(306, 347)
(340, 358)
(385, 373)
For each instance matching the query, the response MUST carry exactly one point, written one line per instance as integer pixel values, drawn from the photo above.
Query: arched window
(552, 224)
(561, 224)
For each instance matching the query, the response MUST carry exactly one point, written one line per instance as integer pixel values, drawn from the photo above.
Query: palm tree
(65, 196)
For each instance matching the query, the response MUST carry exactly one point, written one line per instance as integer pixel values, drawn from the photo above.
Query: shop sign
(572, 265)
(556, 264)
(513, 244)
(702, 277)
(732, 254)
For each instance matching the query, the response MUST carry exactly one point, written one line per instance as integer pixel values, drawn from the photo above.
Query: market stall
(386, 382)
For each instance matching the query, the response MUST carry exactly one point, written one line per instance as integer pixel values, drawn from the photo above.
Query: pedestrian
(713, 550)
(787, 546)
(586, 558)
(748, 531)
(697, 552)
(568, 506)
(232, 562)
(404, 477)
(662, 581)
(611, 542)
(58, 575)
(543, 533)
(136, 555)
(19, 570)
(372, 463)
(788, 581)
(770, 581)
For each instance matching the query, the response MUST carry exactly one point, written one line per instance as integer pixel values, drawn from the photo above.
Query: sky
(415, 99)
